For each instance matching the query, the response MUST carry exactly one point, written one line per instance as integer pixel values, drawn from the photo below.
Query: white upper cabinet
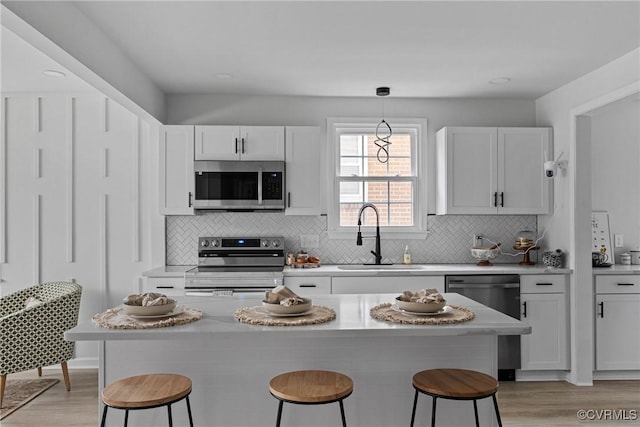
(487, 170)
(302, 170)
(177, 179)
(239, 143)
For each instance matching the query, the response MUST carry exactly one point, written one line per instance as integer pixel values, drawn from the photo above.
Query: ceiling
(348, 48)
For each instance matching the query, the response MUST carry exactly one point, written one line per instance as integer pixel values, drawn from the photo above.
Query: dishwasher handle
(451, 286)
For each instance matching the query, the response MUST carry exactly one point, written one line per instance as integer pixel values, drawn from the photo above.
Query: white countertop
(415, 270)
(617, 269)
(353, 319)
(426, 270)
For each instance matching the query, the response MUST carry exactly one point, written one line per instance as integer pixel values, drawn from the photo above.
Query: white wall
(570, 225)
(615, 169)
(79, 199)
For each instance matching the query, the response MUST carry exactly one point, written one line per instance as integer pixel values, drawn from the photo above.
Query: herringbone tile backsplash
(448, 240)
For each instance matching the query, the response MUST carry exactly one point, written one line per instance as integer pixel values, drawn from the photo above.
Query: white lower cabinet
(170, 286)
(384, 284)
(311, 285)
(617, 340)
(543, 306)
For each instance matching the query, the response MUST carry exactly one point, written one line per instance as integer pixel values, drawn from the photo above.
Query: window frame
(339, 126)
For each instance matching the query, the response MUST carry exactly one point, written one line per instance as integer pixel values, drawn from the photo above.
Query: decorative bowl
(420, 307)
(484, 255)
(148, 310)
(292, 309)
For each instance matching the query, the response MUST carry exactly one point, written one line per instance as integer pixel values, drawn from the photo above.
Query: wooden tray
(306, 264)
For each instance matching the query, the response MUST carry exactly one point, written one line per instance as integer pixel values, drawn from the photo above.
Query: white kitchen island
(231, 363)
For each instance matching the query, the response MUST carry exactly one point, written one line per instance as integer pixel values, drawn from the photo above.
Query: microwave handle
(259, 185)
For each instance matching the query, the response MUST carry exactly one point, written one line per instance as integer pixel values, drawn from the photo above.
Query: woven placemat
(259, 316)
(457, 314)
(113, 318)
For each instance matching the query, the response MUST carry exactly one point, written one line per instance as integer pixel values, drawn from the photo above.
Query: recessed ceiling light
(224, 76)
(499, 80)
(53, 73)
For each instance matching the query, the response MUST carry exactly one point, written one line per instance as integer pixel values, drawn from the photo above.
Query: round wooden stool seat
(455, 383)
(311, 388)
(145, 392)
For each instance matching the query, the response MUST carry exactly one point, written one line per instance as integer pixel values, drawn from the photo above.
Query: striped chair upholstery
(34, 337)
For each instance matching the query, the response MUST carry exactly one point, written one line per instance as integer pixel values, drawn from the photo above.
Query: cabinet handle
(190, 196)
(601, 304)
(310, 285)
(242, 145)
(164, 287)
(544, 284)
(524, 313)
(289, 199)
(495, 199)
(236, 145)
(626, 284)
(502, 199)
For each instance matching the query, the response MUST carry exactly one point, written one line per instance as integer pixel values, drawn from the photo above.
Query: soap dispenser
(406, 257)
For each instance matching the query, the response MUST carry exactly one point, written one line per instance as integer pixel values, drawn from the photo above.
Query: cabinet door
(177, 180)
(467, 170)
(617, 338)
(384, 284)
(217, 143)
(262, 143)
(546, 346)
(304, 182)
(308, 285)
(522, 186)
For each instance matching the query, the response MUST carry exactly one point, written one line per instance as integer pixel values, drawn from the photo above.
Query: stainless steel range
(236, 265)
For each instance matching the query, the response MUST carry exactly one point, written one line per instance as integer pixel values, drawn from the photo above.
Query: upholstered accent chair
(32, 325)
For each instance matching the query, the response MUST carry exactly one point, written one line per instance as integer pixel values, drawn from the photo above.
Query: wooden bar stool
(456, 384)
(311, 388)
(145, 392)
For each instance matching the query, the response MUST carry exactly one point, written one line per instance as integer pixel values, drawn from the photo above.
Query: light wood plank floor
(522, 404)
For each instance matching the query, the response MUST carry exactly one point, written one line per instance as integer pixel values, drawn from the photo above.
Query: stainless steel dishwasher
(502, 293)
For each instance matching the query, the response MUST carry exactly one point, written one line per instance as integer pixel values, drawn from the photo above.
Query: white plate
(445, 309)
(174, 312)
(304, 313)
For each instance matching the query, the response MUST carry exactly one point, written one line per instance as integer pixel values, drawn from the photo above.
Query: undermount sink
(379, 267)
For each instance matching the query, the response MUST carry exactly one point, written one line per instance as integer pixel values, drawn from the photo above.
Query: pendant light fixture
(383, 131)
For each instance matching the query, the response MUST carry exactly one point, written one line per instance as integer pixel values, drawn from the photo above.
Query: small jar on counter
(625, 259)
(290, 259)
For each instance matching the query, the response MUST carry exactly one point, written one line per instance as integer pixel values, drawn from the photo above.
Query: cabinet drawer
(618, 284)
(309, 285)
(170, 286)
(384, 285)
(543, 284)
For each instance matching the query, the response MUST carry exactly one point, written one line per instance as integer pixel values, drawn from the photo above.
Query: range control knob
(204, 243)
(215, 243)
(265, 243)
(275, 243)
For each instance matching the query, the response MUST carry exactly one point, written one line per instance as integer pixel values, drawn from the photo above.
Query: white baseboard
(78, 363)
(541, 375)
(616, 375)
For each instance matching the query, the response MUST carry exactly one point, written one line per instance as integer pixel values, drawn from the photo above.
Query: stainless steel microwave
(239, 185)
